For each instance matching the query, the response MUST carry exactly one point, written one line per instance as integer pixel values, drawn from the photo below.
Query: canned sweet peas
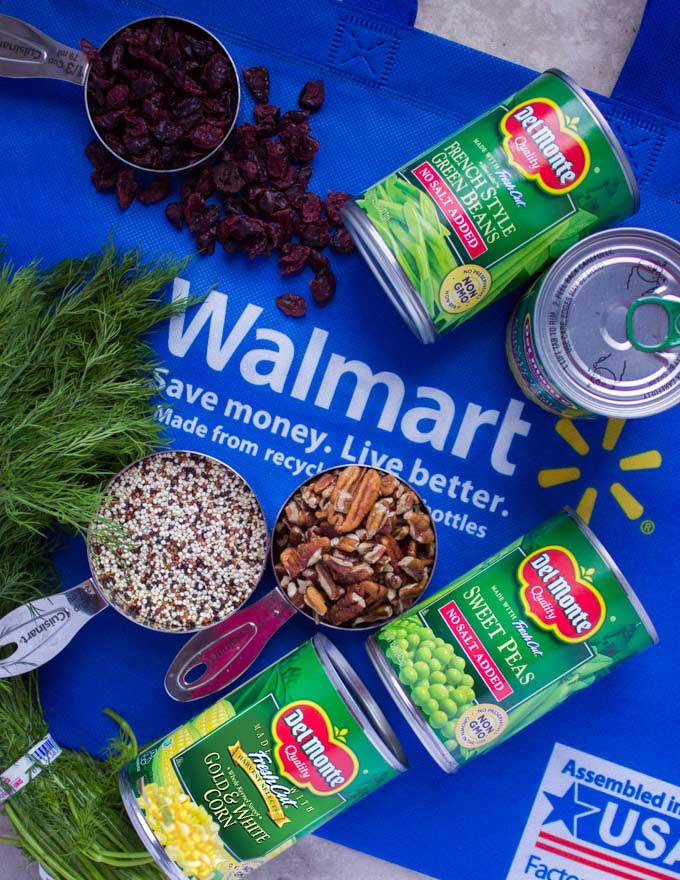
(268, 763)
(490, 206)
(510, 640)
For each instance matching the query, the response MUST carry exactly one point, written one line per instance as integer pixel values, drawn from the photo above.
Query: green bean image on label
(486, 210)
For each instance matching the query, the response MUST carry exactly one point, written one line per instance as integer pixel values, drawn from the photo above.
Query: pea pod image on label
(268, 763)
(510, 640)
(489, 207)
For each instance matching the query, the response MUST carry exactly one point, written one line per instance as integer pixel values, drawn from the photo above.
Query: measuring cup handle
(40, 629)
(227, 649)
(26, 52)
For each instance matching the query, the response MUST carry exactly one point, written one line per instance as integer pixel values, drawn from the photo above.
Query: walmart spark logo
(641, 461)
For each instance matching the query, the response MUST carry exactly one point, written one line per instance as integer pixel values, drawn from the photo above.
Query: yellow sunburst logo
(641, 461)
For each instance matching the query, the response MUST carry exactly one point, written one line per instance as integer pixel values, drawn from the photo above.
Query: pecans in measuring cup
(354, 546)
(180, 541)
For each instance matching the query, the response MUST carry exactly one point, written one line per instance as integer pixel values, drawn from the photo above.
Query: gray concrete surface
(589, 39)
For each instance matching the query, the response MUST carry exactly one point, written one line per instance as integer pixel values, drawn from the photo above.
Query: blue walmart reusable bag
(392, 91)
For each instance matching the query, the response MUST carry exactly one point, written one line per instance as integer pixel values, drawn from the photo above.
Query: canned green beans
(505, 643)
(273, 760)
(573, 343)
(490, 206)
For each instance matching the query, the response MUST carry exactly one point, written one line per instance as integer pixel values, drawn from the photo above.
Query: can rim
(608, 560)
(391, 277)
(420, 727)
(629, 408)
(360, 702)
(608, 132)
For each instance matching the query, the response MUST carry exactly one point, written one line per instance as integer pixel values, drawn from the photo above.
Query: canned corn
(490, 206)
(268, 763)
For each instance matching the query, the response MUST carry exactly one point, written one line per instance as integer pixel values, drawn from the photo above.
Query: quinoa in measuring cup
(180, 541)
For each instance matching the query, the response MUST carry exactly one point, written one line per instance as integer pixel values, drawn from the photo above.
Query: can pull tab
(659, 308)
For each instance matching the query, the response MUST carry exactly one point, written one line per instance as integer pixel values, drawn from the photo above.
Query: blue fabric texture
(392, 91)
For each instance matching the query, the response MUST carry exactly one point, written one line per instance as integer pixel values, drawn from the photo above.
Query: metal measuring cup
(26, 52)
(42, 628)
(217, 656)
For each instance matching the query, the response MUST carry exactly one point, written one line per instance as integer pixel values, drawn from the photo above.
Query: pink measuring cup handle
(227, 649)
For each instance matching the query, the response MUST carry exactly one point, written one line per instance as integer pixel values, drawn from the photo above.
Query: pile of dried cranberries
(251, 196)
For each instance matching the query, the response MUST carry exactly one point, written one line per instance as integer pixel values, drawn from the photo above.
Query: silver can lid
(582, 323)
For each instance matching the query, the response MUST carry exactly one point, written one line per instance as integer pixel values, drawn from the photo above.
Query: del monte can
(271, 761)
(490, 206)
(510, 640)
(599, 332)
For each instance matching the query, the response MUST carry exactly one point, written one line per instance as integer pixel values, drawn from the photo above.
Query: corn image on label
(500, 198)
(243, 780)
(513, 638)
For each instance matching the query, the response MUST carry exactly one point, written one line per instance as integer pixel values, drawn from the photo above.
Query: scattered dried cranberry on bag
(252, 196)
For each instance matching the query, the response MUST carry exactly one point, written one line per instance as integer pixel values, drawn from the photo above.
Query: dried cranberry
(156, 37)
(257, 80)
(226, 177)
(306, 148)
(267, 115)
(293, 117)
(333, 204)
(217, 72)
(318, 262)
(323, 287)
(293, 258)
(174, 213)
(126, 187)
(118, 96)
(166, 132)
(310, 208)
(156, 191)
(108, 121)
(341, 242)
(205, 242)
(117, 57)
(271, 201)
(104, 179)
(312, 95)
(136, 127)
(315, 235)
(136, 146)
(292, 305)
(207, 137)
(187, 107)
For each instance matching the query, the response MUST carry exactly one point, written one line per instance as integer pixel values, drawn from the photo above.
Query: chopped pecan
(364, 496)
(388, 484)
(419, 526)
(323, 483)
(393, 549)
(376, 614)
(290, 559)
(407, 501)
(326, 582)
(374, 554)
(346, 608)
(297, 516)
(295, 595)
(295, 536)
(315, 600)
(370, 592)
(410, 592)
(310, 553)
(414, 568)
(347, 544)
(376, 518)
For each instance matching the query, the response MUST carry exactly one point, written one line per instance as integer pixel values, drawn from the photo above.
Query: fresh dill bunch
(76, 397)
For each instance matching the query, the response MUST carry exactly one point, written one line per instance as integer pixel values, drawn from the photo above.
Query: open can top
(582, 322)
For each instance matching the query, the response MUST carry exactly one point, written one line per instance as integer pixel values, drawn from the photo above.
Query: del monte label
(541, 146)
(308, 752)
(557, 594)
